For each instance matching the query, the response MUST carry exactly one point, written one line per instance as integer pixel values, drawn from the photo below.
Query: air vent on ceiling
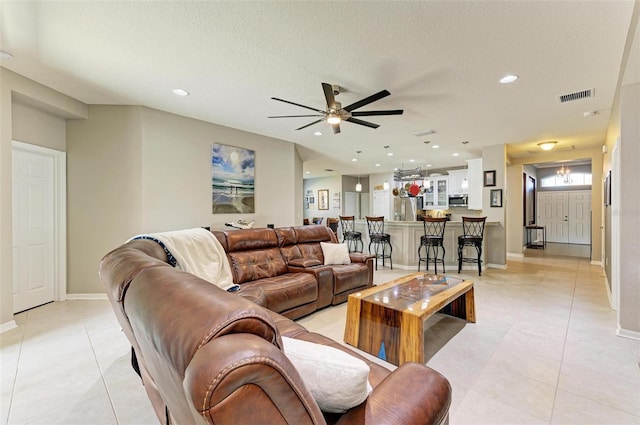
(564, 98)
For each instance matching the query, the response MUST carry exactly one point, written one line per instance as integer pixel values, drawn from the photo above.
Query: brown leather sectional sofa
(287, 265)
(210, 356)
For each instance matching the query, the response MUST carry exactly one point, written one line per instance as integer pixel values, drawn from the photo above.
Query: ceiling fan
(335, 113)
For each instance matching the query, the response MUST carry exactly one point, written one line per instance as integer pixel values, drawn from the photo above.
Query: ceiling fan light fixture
(547, 146)
(333, 119)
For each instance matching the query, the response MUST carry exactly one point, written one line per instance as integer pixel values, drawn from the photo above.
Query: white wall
(135, 170)
(176, 174)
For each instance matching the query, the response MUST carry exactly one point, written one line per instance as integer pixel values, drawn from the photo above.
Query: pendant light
(358, 185)
(427, 182)
(385, 186)
(465, 183)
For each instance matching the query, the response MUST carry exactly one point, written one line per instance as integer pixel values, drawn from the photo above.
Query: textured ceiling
(441, 61)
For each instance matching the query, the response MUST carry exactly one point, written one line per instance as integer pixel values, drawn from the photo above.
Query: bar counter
(405, 240)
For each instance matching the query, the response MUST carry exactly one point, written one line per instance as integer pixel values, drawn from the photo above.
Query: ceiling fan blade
(328, 95)
(308, 125)
(361, 122)
(372, 113)
(367, 100)
(295, 116)
(336, 128)
(297, 104)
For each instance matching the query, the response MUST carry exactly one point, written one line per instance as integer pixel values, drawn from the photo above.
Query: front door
(33, 229)
(580, 217)
(566, 216)
(553, 213)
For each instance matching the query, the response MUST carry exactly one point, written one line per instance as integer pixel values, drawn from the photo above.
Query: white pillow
(336, 380)
(335, 253)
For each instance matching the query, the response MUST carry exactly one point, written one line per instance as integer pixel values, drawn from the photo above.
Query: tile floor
(543, 351)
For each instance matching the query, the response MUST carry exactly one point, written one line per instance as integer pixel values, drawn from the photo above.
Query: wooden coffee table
(388, 320)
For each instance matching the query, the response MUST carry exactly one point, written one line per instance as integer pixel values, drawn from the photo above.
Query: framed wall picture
(232, 180)
(323, 199)
(607, 189)
(490, 178)
(496, 197)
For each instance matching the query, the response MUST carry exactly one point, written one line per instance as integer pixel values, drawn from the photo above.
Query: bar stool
(332, 223)
(349, 234)
(378, 237)
(432, 240)
(473, 233)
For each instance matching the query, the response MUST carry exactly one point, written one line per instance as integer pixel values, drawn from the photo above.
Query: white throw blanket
(197, 251)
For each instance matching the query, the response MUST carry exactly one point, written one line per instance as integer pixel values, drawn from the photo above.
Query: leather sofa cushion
(250, 239)
(286, 236)
(291, 253)
(311, 251)
(247, 266)
(180, 312)
(287, 291)
(314, 233)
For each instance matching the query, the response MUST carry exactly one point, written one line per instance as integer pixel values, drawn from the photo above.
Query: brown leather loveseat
(287, 264)
(210, 356)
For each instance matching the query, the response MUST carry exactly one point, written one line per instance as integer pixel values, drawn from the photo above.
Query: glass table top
(419, 289)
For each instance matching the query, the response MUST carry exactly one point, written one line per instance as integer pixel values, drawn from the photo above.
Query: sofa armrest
(324, 277)
(357, 257)
(412, 394)
(305, 262)
(242, 378)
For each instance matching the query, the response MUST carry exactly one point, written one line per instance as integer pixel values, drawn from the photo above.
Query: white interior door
(553, 213)
(33, 229)
(580, 217)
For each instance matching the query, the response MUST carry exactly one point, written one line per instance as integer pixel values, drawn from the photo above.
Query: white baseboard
(596, 263)
(625, 333)
(73, 297)
(497, 266)
(514, 255)
(7, 326)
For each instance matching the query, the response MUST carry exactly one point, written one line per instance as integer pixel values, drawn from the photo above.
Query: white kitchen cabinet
(475, 183)
(436, 196)
(456, 177)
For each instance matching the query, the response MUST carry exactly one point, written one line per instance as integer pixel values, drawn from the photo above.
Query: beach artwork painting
(232, 180)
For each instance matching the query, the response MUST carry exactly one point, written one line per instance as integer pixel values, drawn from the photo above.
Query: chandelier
(564, 173)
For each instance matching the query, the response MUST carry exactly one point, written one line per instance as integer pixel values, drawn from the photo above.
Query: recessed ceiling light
(5, 55)
(390, 154)
(377, 165)
(455, 154)
(508, 79)
(412, 160)
(354, 159)
(307, 172)
(429, 165)
(180, 92)
(317, 133)
(435, 146)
